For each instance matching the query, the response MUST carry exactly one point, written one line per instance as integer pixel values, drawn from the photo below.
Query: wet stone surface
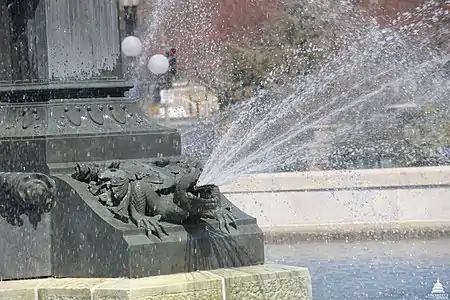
(381, 270)
(26, 252)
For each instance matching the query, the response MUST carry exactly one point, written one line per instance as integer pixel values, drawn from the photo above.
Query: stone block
(87, 238)
(183, 286)
(268, 282)
(69, 288)
(20, 289)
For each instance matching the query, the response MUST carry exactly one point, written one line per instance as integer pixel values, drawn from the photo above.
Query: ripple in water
(374, 67)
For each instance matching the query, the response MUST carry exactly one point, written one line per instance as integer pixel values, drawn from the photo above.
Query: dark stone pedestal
(48, 124)
(84, 237)
(89, 242)
(54, 135)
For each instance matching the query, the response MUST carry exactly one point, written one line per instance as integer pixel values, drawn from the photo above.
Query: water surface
(381, 270)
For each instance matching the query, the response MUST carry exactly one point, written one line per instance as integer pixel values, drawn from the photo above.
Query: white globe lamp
(131, 46)
(127, 3)
(158, 64)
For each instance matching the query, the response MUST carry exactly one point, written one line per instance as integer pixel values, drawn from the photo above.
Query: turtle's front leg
(151, 224)
(219, 212)
(224, 216)
(141, 210)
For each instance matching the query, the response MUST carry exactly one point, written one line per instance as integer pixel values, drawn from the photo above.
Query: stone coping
(278, 282)
(344, 179)
(394, 230)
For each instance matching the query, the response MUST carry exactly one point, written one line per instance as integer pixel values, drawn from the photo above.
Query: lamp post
(130, 17)
(131, 45)
(64, 105)
(72, 113)
(76, 91)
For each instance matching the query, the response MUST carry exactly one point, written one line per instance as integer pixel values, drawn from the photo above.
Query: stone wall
(324, 199)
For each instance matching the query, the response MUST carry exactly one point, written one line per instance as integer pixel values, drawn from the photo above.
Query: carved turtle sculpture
(147, 193)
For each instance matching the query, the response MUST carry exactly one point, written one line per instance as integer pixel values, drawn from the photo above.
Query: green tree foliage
(415, 141)
(431, 129)
(288, 45)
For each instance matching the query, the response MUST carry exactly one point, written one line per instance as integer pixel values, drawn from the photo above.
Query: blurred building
(187, 100)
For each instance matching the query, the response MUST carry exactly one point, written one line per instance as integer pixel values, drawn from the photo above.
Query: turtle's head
(209, 199)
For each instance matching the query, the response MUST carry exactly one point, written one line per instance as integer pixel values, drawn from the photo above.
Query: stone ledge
(395, 230)
(255, 282)
(342, 179)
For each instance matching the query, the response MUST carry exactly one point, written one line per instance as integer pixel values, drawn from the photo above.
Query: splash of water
(374, 68)
(150, 34)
